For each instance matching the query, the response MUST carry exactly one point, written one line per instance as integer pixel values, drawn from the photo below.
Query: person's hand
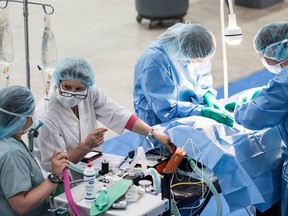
(211, 101)
(245, 97)
(164, 139)
(230, 106)
(218, 115)
(95, 138)
(59, 162)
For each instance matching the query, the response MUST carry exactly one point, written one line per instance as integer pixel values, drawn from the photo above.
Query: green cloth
(117, 190)
(218, 115)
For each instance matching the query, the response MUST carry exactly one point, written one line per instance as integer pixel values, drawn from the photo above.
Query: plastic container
(146, 186)
(257, 3)
(90, 183)
(132, 194)
(159, 10)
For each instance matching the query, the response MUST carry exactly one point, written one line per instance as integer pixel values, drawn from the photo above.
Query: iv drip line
(26, 30)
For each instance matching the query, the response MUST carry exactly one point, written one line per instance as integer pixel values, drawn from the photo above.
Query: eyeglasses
(79, 95)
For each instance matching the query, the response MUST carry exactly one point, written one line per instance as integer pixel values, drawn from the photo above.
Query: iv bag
(6, 42)
(49, 54)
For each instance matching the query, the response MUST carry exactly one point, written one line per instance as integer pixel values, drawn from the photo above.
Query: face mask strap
(14, 114)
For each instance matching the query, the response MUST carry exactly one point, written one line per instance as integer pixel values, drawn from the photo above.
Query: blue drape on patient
(247, 163)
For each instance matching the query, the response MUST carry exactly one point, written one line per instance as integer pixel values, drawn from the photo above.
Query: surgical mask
(68, 102)
(202, 68)
(70, 99)
(36, 124)
(272, 68)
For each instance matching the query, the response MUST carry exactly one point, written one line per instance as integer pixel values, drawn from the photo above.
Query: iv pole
(232, 35)
(26, 31)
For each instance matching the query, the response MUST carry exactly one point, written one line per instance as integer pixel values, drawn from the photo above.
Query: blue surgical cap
(272, 41)
(18, 100)
(74, 68)
(188, 42)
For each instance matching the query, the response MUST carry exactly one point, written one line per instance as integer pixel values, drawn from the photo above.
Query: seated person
(75, 105)
(23, 190)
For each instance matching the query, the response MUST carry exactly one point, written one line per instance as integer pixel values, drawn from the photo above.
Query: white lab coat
(63, 131)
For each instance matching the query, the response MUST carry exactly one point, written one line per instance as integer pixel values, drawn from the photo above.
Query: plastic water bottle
(90, 183)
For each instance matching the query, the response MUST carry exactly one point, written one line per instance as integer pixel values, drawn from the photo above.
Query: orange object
(175, 160)
(159, 167)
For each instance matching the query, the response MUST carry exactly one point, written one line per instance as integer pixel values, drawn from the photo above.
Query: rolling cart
(160, 10)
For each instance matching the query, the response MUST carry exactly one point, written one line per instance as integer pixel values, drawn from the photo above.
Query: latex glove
(250, 95)
(231, 106)
(218, 115)
(211, 101)
(245, 97)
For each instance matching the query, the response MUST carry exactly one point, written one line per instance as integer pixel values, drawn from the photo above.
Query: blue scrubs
(270, 108)
(165, 89)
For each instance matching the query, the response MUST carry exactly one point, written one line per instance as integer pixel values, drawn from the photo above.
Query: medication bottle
(90, 183)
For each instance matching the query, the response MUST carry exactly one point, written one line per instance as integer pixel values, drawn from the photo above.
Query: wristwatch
(54, 178)
(150, 134)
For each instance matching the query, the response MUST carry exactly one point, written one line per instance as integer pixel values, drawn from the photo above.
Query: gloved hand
(218, 115)
(231, 106)
(211, 101)
(245, 97)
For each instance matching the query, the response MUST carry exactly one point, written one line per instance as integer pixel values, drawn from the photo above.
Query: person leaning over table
(269, 107)
(23, 190)
(173, 79)
(75, 105)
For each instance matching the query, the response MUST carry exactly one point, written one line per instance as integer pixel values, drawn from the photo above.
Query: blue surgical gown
(165, 89)
(270, 108)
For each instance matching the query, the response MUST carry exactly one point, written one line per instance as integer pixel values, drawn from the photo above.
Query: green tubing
(209, 184)
(156, 179)
(78, 169)
(75, 168)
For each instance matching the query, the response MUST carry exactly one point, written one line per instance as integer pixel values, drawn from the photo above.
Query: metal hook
(5, 5)
(35, 3)
(44, 8)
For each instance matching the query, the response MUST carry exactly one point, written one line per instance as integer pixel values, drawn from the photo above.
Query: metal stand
(26, 30)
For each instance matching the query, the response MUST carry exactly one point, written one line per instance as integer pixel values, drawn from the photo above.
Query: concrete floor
(107, 35)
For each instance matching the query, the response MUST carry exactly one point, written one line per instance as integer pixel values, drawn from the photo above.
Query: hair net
(74, 68)
(188, 42)
(18, 100)
(272, 41)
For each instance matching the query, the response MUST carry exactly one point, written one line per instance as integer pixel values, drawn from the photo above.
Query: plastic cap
(89, 165)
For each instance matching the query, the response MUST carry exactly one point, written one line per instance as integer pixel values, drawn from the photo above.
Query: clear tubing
(156, 179)
(174, 209)
(210, 185)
